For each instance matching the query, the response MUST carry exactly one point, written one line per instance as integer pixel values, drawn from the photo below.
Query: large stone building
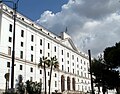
(32, 42)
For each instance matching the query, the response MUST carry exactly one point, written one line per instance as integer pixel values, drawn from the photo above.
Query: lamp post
(15, 6)
(89, 53)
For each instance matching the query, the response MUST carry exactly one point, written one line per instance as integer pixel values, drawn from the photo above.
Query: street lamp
(15, 6)
(92, 88)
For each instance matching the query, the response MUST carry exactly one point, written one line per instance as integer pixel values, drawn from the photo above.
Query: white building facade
(32, 42)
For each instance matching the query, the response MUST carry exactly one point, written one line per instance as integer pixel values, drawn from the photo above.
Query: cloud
(93, 24)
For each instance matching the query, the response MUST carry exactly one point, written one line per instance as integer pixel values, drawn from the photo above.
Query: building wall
(72, 63)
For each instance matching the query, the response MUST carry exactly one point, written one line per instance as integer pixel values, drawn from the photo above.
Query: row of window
(21, 54)
(31, 69)
(32, 47)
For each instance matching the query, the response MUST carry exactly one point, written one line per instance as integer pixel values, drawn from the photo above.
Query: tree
(33, 87)
(112, 56)
(44, 62)
(53, 62)
(112, 59)
(104, 76)
(20, 87)
(97, 68)
(104, 69)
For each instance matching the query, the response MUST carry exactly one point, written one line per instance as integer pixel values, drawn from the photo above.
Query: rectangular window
(22, 33)
(31, 69)
(62, 59)
(32, 38)
(82, 74)
(77, 59)
(21, 67)
(73, 57)
(8, 64)
(68, 69)
(55, 83)
(55, 75)
(21, 44)
(9, 50)
(40, 51)
(40, 80)
(10, 39)
(48, 73)
(40, 71)
(78, 72)
(31, 57)
(62, 67)
(10, 27)
(31, 48)
(85, 74)
(68, 62)
(84, 63)
(73, 64)
(48, 45)
(48, 54)
(73, 71)
(55, 48)
(67, 54)
(31, 79)
(21, 54)
(40, 41)
(62, 52)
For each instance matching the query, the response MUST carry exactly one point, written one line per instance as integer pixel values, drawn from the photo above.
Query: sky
(92, 24)
(34, 8)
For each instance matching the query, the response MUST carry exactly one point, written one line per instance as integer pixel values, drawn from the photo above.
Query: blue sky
(34, 8)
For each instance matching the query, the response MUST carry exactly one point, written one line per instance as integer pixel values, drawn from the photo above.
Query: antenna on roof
(66, 29)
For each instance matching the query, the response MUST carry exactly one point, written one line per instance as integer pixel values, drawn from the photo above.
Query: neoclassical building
(33, 41)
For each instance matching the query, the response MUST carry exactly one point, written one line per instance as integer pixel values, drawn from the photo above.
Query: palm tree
(53, 62)
(44, 62)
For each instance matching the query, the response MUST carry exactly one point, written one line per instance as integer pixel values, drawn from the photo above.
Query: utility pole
(15, 6)
(89, 53)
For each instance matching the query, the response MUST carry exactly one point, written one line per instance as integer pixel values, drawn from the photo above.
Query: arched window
(62, 83)
(68, 83)
(73, 83)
